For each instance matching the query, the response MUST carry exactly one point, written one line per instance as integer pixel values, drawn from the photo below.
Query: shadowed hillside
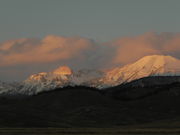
(125, 105)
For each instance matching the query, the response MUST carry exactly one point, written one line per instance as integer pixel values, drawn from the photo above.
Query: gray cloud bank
(22, 57)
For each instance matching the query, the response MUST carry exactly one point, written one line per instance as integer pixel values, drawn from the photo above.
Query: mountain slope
(155, 65)
(10, 88)
(59, 78)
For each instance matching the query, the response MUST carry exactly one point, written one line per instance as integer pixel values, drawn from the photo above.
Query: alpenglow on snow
(154, 65)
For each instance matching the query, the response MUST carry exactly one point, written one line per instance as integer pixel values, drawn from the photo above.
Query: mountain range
(154, 65)
(142, 94)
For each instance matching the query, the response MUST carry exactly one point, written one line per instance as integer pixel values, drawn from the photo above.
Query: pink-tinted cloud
(50, 49)
(27, 56)
(130, 49)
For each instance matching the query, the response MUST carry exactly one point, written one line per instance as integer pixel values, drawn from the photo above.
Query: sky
(40, 35)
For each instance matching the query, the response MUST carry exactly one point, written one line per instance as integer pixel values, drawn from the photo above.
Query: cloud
(50, 49)
(130, 49)
(23, 57)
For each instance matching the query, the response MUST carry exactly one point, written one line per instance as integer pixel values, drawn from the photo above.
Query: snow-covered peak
(9, 88)
(60, 77)
(37, 77)
(154, 65)
(147, 66)
(46, 81)
(63, 70)
(166, 63)
(61, 73)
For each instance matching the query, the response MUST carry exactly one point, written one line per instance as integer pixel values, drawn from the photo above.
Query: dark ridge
(130, 104)
(149, 81)
(144, 87)
(126, 94)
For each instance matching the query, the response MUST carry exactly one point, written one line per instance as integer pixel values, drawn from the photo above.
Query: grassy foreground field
(89, 131)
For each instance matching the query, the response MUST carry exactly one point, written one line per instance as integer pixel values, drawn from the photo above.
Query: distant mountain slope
(10, 88)
(155, 65)
(60, 77)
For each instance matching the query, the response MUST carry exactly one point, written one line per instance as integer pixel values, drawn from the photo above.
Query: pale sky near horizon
(40, 35)
(101, 20)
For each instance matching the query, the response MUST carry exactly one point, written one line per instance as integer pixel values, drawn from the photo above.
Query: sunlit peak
(63, 70)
